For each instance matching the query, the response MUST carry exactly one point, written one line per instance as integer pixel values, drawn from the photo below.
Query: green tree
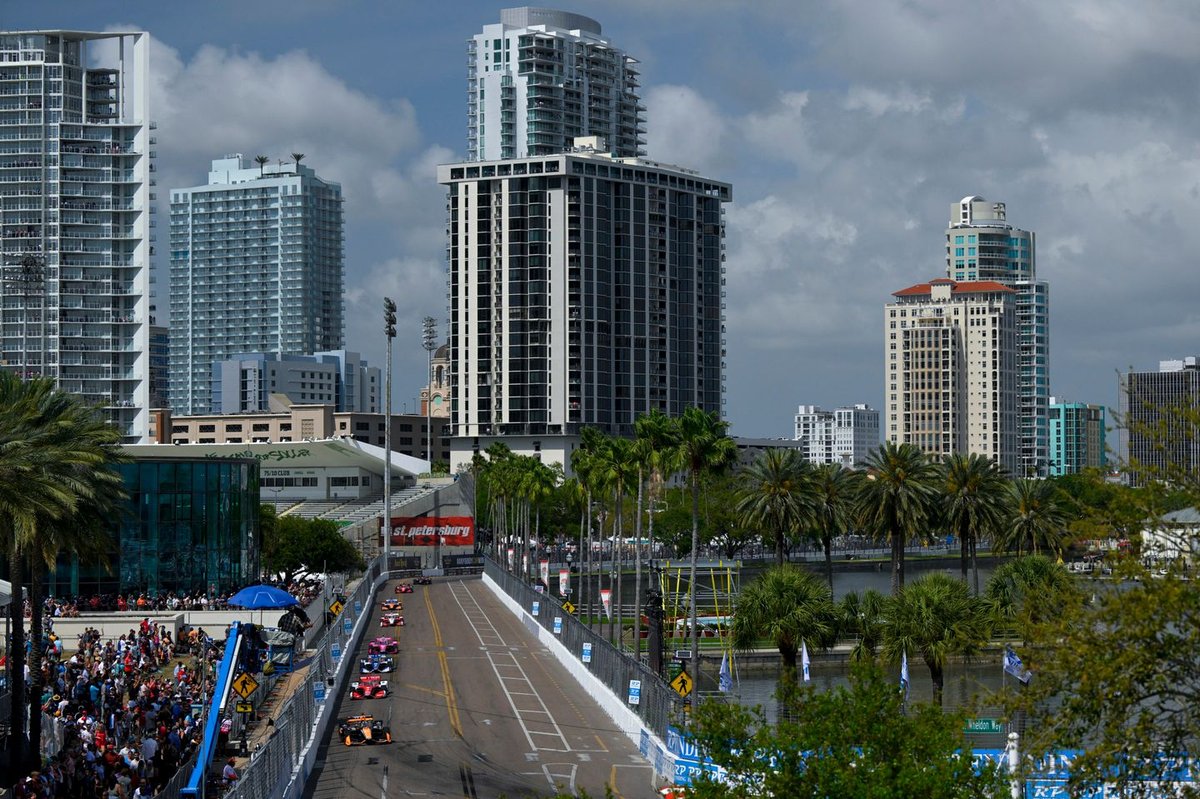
(974, 501)
(776, 495)
(656, 445)
(935, 617)
(853, 741)
(786, 605)
(897, 498)
(704, 448)
(299, 546)
(861, 617)
(1028, 590)
(833, 489)
(1036, 519)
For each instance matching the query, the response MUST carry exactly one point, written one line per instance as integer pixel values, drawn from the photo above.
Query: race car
(404, 588)
(369, 686)
(422, 580)
(391, 620)
(360, 730)
(384, 645)
(376, 664)
(392, 604)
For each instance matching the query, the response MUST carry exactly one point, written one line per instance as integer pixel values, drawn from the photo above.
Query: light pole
(389, 329)
(429, 342)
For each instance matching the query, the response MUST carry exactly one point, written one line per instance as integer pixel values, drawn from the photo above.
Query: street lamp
(389, 329)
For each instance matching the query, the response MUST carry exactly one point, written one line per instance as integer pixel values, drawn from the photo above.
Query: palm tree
(832, 489)
(703, 449)
(788, 605)
(1037, 518)
(862, 617)
(935, 617)
(896, 499)
(656, 443)
(261, 160)
(615, 468)
(974, 492)
(775, 495)
(1028, 590)
(583, 464)
(297, 157)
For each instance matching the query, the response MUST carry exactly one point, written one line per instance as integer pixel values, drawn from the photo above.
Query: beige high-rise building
(952, 369)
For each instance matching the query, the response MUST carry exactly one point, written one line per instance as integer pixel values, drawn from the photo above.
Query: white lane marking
(556, 779)
(493, 657)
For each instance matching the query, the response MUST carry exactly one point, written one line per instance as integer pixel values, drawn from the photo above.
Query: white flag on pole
(725, 683)
(804, 659)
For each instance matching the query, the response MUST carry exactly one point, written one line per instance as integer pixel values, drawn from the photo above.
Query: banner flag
(510, 558)
(564, 581)
(804, 664)
(1014, 666)
(725, 681)
(904, 674)
(606, 600)
(544, 567)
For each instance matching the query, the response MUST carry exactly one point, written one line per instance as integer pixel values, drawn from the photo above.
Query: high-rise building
(1158, 420)
(342, 379)
(257, 265)
(844, 436)
(951, 369)
(435, 397)
(160, 366)
(75, 213)
(1076, 437)
(981, 245)
(585, 290)
(540, 78)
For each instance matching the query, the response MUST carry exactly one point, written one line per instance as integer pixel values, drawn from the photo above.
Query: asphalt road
(477, 709)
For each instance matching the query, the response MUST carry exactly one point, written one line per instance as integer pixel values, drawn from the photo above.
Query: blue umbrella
(260, 597)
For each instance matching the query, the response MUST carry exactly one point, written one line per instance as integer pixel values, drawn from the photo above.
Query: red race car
(404, 588)
(369, 686)
(384, 644)
(391, 620)
(392, 604)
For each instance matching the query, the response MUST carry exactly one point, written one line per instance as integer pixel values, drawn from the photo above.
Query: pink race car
(391, 620)
(384, 644)
(404, 588)
(369, 686)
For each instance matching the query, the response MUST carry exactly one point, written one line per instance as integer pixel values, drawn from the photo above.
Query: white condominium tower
(539, 78)
(951, 369)
(981, 245)
(75, 209)
(585, 290)
(257, 265)
(844, 436)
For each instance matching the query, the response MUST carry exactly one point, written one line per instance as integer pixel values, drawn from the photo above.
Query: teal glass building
(190, 525)
(1076, 437)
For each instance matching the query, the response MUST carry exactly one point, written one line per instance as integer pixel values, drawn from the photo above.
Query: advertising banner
(430, 531)
(544, 568)
(510, 558)
(564, 581)
(606, 600)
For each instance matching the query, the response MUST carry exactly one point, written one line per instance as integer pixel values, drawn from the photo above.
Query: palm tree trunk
(964, 541)
(975, 564)
(779, 546)
(16, 656)
(938, 675)
(827, 541)
(35, 663)
(637, 576)
(620, 543)
(897, 555)
(694, 632)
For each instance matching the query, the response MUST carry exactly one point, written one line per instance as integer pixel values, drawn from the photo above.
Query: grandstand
(352, 510)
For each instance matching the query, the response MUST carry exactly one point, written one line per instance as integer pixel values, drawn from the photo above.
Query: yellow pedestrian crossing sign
(336, 607)
(682, 683)
(244, 685)
(568, 607)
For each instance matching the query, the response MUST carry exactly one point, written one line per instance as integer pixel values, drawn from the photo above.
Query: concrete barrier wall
(625, 719)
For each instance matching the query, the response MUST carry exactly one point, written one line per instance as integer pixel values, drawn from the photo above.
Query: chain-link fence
(658, 705)
(268, 773)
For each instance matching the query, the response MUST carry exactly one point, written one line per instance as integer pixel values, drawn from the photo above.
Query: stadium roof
(326, 453)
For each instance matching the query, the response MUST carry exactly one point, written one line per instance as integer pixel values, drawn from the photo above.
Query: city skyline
(845, 132)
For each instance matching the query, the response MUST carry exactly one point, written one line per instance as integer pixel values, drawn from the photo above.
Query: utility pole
(429, 342)
(389, 329)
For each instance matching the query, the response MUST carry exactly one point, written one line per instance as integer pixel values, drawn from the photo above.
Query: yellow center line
(601, 743)
(451, 702)
(612, 783)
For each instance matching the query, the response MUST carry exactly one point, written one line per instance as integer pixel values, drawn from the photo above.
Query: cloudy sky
(846, 129)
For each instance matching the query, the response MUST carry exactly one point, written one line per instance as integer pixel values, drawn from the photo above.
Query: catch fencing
(657, 703)
(272, 763)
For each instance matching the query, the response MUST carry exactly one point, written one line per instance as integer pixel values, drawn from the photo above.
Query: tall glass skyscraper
(585, 290)
(257, 265)
(982, 245)
(75, 211)
(539, 78)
